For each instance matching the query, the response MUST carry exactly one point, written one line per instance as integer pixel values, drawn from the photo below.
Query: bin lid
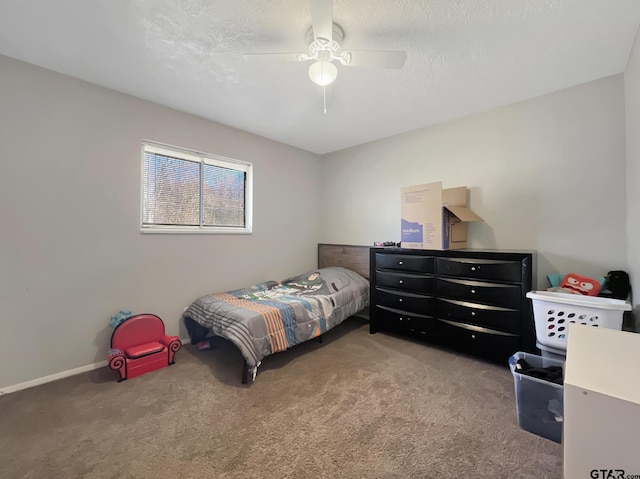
(542, 347)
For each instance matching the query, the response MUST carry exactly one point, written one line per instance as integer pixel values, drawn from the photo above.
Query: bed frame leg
(245, 372)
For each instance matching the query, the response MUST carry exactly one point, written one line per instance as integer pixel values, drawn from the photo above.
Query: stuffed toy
(119, 317)
(556, 278)
(576, 284)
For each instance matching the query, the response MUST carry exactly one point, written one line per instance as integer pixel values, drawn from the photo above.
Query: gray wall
(546, 174)
(71, 254)
(632, 98)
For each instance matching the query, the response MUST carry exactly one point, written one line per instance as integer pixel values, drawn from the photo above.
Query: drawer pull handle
(400, 299)
(473, 313)
(400, 262)
(401, 282)
(473, 336)
(473, 291)
(473, 268)
(401, 319)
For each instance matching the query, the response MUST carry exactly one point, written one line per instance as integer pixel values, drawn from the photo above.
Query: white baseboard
(52, 377)
(61, 375)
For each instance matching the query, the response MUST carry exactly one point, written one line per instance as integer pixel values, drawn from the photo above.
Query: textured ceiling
(463, 56)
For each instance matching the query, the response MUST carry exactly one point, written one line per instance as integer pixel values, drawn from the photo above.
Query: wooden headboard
(356, 258)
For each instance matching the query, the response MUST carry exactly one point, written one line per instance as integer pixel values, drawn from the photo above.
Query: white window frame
(202, 158)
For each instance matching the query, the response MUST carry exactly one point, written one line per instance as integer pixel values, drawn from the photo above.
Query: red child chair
(139, 345)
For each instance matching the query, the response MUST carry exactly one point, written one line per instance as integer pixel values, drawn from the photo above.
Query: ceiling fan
(324, 38)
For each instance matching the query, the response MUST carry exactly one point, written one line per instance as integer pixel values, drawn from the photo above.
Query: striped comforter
(275, 315)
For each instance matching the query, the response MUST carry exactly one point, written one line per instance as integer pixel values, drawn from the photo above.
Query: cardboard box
(435, 218)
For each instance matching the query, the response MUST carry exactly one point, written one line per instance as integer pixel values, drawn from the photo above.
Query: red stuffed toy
(577, 284)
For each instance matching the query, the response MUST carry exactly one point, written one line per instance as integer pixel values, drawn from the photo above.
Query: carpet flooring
(354, 406)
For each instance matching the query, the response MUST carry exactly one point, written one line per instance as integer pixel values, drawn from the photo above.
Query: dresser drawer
(508, 271)
(402, 262)
(416, 303)
(406, 281)
(477, 340)
(508, 295)
(389, 318)
(505, 319)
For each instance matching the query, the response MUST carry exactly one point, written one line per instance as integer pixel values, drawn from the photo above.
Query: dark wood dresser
(473, 301)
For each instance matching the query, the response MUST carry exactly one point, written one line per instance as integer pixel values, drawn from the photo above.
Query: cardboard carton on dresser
(435, 218)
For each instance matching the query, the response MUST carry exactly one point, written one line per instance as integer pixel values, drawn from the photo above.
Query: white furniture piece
(601, 403)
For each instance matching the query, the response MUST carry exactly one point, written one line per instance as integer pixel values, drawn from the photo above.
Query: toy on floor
(139, 345)
(119, 317)
(203, 345)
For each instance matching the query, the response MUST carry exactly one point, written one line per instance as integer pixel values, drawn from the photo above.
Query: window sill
(209, 231)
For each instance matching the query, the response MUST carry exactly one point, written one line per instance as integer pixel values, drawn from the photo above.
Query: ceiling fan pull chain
(324, 99)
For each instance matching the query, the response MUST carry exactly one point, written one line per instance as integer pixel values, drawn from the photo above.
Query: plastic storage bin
(539, 403)
(554, 311)
(547, 352)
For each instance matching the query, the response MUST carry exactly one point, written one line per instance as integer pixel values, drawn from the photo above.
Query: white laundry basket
(554, 311)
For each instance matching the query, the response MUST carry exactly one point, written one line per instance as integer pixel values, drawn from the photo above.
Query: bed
(275, 315)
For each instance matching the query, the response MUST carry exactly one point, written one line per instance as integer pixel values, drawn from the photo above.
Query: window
(186, 191)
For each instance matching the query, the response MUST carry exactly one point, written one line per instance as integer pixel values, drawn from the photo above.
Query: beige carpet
(356, 406)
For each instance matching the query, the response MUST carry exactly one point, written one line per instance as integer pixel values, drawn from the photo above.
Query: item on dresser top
(433, 218)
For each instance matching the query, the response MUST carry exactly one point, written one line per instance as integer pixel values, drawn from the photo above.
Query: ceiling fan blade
(287, 57)
(377, 58)
(322, 18)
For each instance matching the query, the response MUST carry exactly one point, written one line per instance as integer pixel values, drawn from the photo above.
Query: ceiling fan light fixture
(323, 73)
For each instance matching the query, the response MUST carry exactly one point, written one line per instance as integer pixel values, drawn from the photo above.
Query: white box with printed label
(435, 218)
